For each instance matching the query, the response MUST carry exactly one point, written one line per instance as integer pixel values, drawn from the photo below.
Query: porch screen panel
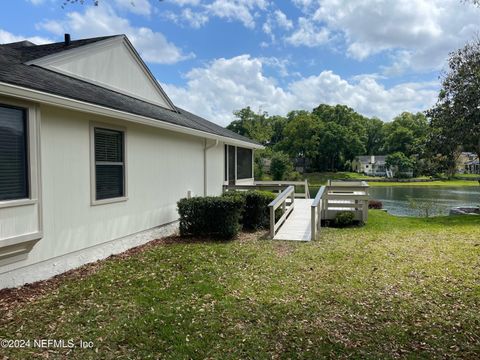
(244, 163)
(13, 154)
(231, 163)
(109, 164)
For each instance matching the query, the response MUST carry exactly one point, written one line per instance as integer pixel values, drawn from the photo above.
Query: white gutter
(63, 102)
(205, 175)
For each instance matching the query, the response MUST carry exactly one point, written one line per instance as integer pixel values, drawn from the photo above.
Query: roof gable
(112, 63)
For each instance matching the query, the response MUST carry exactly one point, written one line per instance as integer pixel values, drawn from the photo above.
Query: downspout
(205, 175)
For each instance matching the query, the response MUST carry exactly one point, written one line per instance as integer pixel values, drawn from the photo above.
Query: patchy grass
(396, 288)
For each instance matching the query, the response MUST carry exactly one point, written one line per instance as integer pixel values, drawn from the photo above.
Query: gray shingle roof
(14, 71)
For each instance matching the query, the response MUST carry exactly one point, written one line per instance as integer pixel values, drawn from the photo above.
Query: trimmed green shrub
(344, 219)
(210, 216)
(255, 213)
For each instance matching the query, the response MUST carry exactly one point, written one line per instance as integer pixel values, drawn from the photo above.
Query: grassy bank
(317, 179)
(398, 287)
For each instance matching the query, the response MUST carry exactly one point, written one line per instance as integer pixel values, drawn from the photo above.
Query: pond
(396, 198)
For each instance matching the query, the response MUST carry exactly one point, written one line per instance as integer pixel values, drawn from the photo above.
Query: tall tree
(406, 133)
(300, 136)
(456, 116)
(253, 125)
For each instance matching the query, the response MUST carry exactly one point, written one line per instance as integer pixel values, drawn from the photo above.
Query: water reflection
(396, 198)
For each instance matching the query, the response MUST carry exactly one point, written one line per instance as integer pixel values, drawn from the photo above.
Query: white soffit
(112, 63)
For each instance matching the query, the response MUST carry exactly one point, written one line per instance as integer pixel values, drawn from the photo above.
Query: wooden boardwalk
(297, 225)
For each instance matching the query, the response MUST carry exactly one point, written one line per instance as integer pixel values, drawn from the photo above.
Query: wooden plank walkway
(297, 225)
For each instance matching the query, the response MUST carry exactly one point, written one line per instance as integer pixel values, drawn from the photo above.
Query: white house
(373, 165)
(94, 156)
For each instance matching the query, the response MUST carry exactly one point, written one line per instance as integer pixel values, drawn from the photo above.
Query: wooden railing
(316, 212)
(281, 200)
(346, 196)
(303, 183)
(277, 186)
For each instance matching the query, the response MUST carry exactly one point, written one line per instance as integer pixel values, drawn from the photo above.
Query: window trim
(236, 164)
(227, 160)
(33, 154)
(17, 247)
(93, 183)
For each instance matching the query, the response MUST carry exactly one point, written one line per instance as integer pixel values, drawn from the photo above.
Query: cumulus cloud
(418, 34)
(103, 20)
(308, 34)
(225, 85)
(200, 12)
(7, 37)
(240, 10)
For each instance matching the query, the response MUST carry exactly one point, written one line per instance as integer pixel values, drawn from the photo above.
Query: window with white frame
(109, 157)
(14, 169)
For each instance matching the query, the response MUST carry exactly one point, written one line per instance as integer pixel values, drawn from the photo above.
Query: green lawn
(396, 288)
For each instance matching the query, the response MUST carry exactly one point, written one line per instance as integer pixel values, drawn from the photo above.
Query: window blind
(109, 164)
(13, 154)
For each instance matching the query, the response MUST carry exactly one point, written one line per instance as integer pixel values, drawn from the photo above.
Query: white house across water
(94, 156)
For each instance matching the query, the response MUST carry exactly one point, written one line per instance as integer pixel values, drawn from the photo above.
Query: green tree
(400, 161)
(406, 133)
(375, 136)
(252, 125)
(455, 119)
(281, 166)
(300, 136)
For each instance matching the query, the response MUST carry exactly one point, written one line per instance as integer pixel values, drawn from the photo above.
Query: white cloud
(419, 34)
(36, 2)
(7, 37)
(217, 89)
(240, 10)
(102, 20)
(199, 13)
(308, 34)
(140, 7)
(194, 18)
(282, 20)
(226, 85)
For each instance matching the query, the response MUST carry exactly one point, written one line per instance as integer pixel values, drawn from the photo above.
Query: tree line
(329, 137)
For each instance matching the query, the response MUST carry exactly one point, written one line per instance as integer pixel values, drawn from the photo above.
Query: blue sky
(380, 57)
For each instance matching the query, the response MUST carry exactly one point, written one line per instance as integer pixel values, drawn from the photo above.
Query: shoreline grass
(398, 287)
(318, 179)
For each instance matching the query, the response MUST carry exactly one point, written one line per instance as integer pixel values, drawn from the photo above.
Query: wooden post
(307, 192)
(272, 222)
(313, 223)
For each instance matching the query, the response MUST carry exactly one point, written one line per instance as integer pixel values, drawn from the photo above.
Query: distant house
(372, 165)
(94, 156)
(375, 165)
(468, 163)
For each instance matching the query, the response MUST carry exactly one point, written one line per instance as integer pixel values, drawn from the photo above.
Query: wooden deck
(297, 225)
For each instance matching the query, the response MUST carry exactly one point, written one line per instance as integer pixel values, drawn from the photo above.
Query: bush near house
(213, 216)
(255, 213)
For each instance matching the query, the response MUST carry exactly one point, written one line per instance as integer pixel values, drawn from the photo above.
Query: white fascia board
(63, 102)
(48, 61)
